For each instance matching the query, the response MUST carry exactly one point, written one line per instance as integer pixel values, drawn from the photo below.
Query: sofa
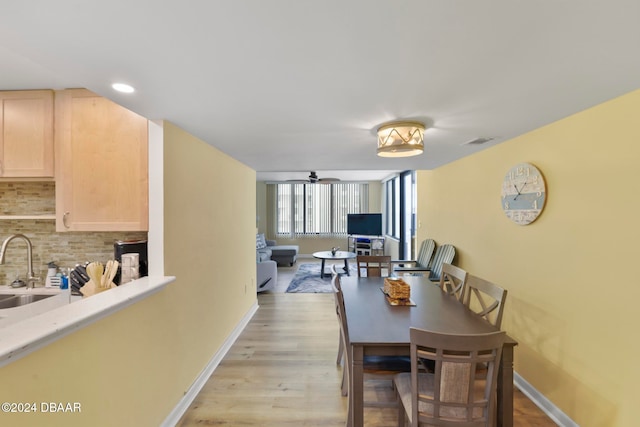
(269, 250)
(266, 275)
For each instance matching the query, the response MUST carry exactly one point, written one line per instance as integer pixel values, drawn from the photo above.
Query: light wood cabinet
(26, 134)
(101, 164)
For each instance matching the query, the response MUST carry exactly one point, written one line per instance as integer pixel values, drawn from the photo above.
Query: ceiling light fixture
(400, 139)
(122, 87)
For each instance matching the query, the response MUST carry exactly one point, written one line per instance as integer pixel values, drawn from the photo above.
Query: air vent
(477, 141)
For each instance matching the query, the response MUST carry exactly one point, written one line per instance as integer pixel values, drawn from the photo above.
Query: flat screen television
(366, 224)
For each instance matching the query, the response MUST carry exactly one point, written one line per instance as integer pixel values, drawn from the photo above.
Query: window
(400, 205)
(316, 209)
(392, 208)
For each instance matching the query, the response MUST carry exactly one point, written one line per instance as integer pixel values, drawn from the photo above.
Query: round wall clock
(523, 193)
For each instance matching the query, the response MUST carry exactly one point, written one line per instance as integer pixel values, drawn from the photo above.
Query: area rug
(307, 278)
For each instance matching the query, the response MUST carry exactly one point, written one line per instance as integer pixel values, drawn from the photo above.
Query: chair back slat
(344, 330)
(486, 299)
(454, 394)
(452, 280)
(444, 254)
(373, 265)
(335, 279)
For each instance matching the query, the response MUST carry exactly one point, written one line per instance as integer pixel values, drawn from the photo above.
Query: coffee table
(339, 255)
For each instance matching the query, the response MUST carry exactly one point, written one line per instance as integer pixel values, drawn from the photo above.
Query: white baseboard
(545, 405)
(201, 380)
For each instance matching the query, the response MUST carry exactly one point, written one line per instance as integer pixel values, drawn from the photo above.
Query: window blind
(316, 210)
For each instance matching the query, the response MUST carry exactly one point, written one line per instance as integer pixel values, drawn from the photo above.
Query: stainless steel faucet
(31, 279)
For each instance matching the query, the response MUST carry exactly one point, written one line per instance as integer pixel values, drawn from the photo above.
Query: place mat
(404, 302)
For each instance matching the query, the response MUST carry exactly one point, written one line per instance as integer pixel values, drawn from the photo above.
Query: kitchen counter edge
(22, 338)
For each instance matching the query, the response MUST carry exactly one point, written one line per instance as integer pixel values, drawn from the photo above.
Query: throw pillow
(261, 243)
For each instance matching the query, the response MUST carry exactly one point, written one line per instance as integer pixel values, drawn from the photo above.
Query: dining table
(379, 328)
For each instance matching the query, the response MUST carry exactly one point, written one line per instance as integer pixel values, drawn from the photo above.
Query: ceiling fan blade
(313, 179)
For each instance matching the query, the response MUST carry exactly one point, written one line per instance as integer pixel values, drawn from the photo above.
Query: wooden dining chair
(452, 280)
(453, 394)
(374, 265)
(337, 288)
(374, 367)
(485, 299)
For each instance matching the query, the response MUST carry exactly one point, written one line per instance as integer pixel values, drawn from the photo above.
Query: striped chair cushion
(444, 254)
(426, 252)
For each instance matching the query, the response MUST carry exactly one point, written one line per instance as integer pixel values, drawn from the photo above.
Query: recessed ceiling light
(121, 87)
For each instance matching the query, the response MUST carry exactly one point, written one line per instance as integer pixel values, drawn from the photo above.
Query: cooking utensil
(103, 278)
(89, 289)
(82, 272)
(77, 278)
(95, 271)
(100, 277)
(110, 273)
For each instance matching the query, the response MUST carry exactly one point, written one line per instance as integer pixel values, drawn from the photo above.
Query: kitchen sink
(9, 301)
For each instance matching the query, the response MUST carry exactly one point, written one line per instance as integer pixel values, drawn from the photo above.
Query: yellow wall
(133, 367)
(572, 287)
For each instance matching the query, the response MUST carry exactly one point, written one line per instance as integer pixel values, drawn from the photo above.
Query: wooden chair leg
(345, 383)
(340, 361)
(401, 412)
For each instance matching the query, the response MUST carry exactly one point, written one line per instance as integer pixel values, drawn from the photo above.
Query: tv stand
(365, 245)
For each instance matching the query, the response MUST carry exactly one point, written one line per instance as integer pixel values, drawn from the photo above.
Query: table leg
(505, 388)
(322, 269)
(356, 387)
(346, 267)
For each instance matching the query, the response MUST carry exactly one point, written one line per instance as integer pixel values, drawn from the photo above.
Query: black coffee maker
(128, 247)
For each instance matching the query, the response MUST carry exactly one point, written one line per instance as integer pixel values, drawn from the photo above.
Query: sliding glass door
(408, 215)
(400, 212)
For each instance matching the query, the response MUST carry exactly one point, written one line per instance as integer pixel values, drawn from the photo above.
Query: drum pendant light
(401, 139)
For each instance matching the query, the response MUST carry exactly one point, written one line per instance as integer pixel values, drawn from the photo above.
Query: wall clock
(523, 193)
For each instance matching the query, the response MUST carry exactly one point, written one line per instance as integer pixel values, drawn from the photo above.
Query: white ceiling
(291, 85)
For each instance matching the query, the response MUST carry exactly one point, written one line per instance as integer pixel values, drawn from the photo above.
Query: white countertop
(26, 328)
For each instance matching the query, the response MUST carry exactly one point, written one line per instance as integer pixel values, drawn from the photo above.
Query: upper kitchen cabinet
(101, 164)
(26, 134)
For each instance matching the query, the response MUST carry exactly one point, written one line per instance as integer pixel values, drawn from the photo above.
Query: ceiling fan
(313, 179)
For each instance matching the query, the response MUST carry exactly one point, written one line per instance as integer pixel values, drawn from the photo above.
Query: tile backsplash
(65, 249)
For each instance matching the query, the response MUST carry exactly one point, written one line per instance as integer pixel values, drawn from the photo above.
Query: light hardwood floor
(282, 371)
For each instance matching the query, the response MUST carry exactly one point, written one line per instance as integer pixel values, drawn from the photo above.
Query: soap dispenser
(52, 279)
